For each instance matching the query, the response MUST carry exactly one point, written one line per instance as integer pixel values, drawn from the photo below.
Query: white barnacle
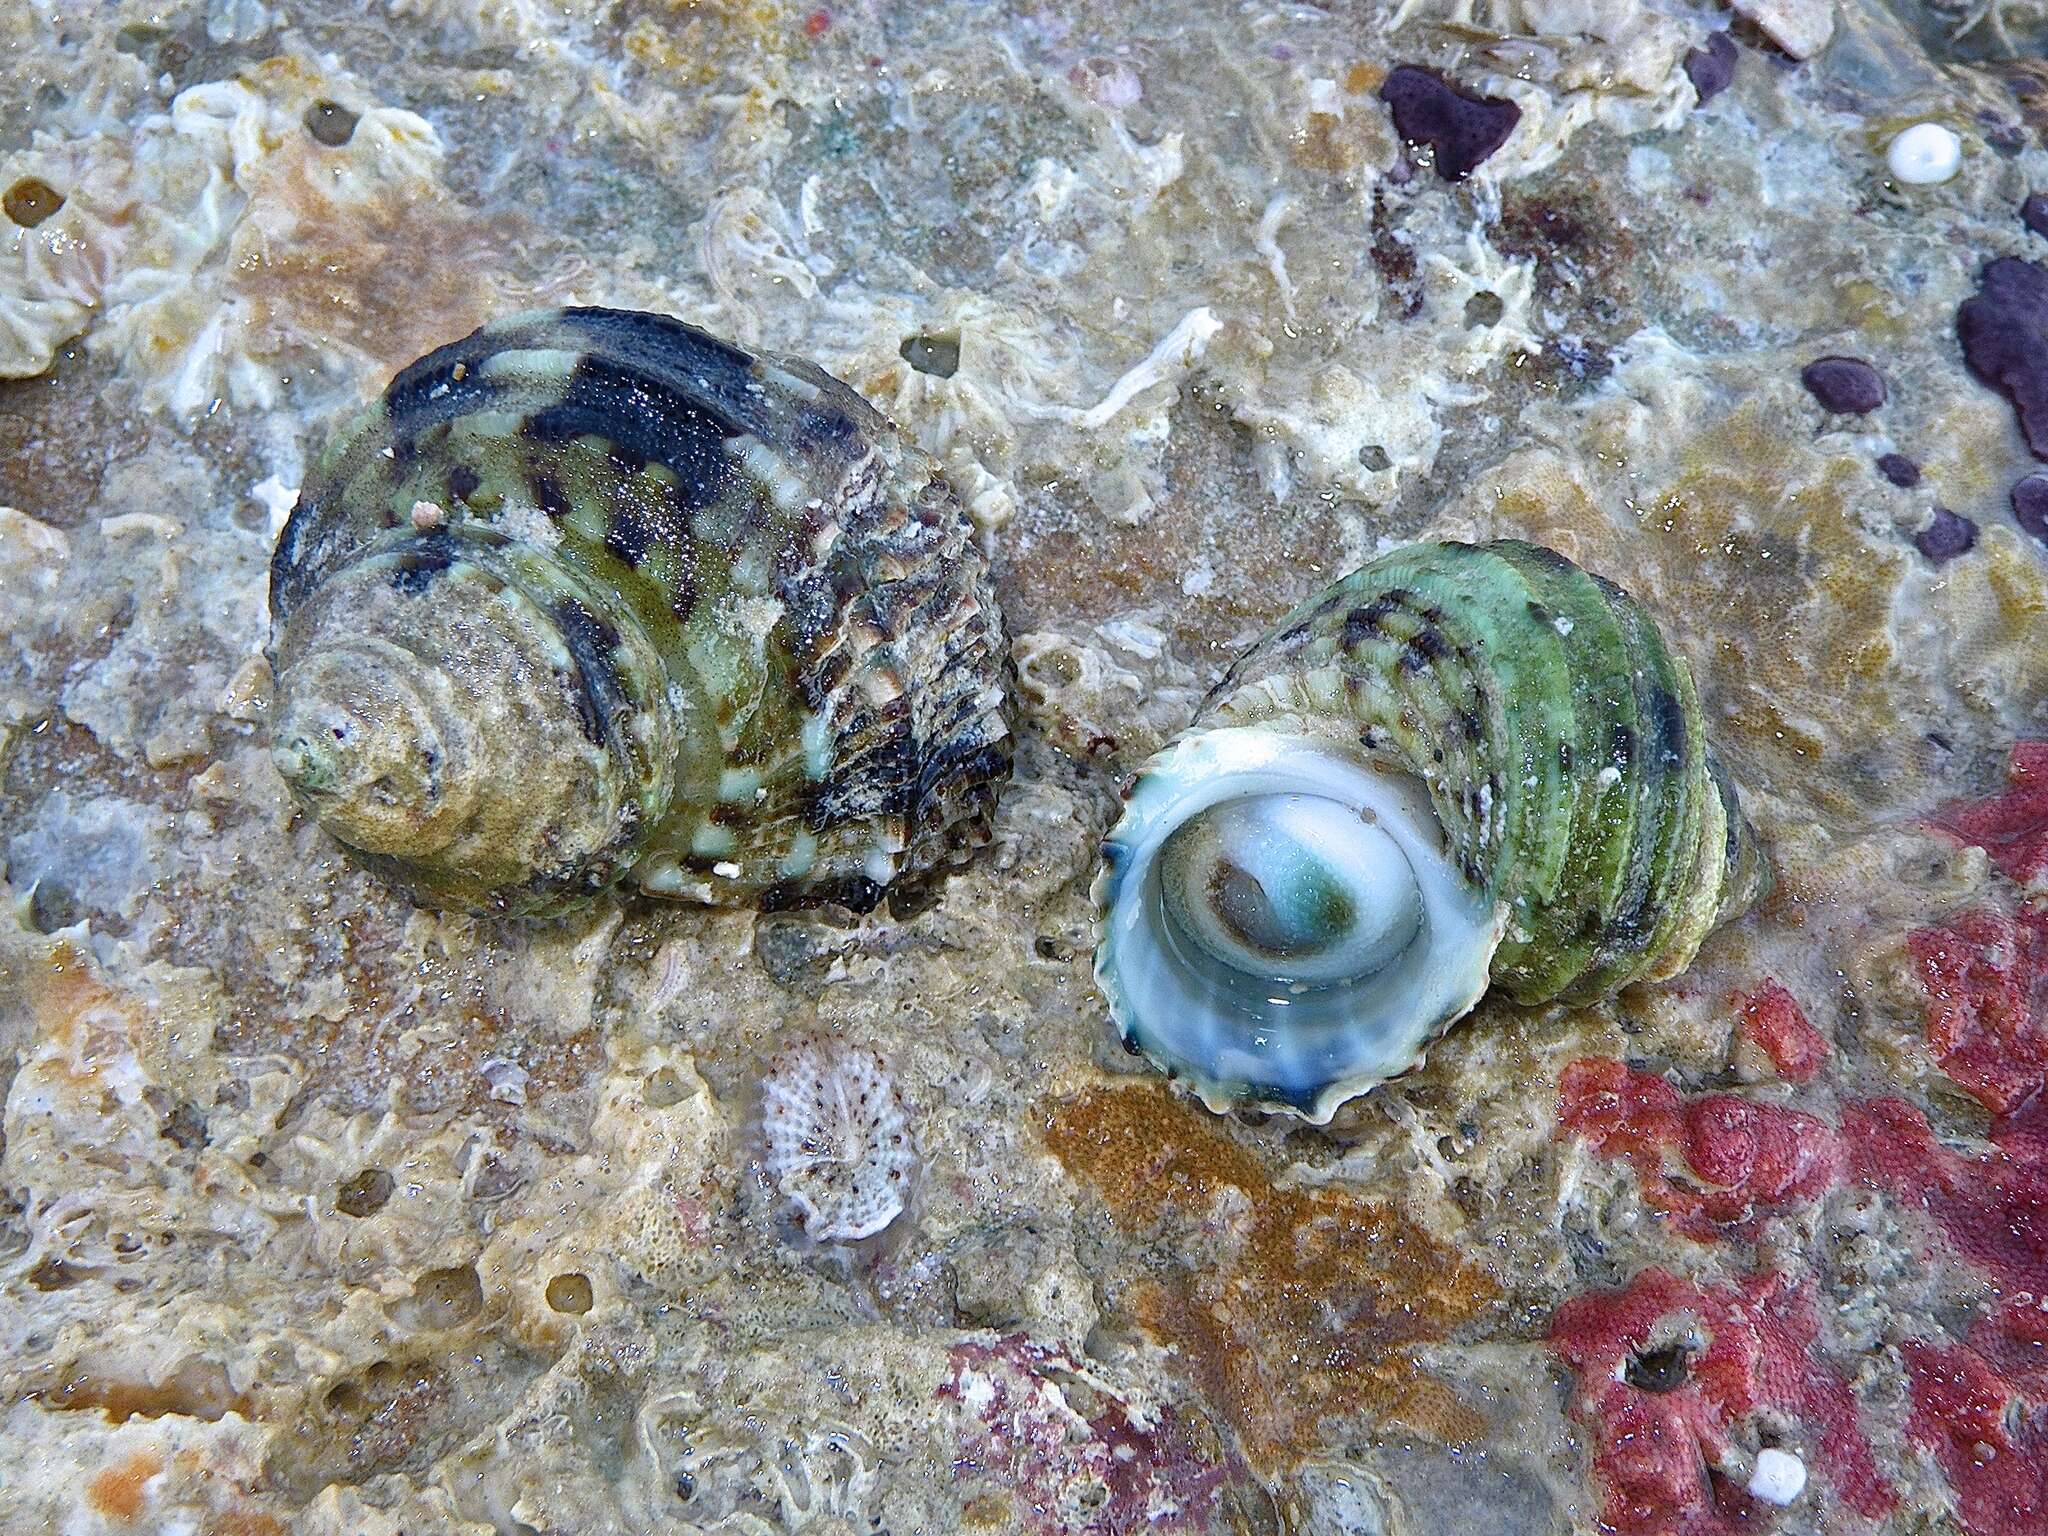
(838, 1139)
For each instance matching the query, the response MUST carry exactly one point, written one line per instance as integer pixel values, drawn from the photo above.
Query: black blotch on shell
(1845, 385)
(591, 641)
(463, 482)
(2034, 213)
(548, 494)
(422, 563)
(2030, 505)
(1461, 127)
(1946, 537)
(629, 533)
(1900, 470)
(1712, 69)
(609, 397)
(331, 123)
(2003, 329)
(1665, 716)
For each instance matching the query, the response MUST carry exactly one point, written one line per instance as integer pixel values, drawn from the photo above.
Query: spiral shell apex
(591, 596)
(1460, 767)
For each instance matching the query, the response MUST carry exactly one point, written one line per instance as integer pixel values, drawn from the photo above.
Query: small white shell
(839, 1146)
(1925, 155)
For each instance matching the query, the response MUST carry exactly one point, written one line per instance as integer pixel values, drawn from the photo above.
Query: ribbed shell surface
(827, 642)
(1558, 736)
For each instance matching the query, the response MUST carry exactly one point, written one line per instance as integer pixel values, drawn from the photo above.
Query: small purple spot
(2034, 212)
(1711, 69)
(2004, 332)
(1845, 385)
(1899, 469)
(1946, 537)
(2030, 504)
(1461, 127)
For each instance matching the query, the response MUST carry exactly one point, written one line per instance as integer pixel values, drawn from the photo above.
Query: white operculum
(1280, 924)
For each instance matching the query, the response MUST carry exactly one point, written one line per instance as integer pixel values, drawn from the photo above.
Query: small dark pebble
(1845, 385)
(2030, 505)
(1946, 537)
(29, 201)
(1899, 469)
(1461, 127)
(1711, 69)
(2034, 212)
(2003, 329)
(938, 356)
(331, 123)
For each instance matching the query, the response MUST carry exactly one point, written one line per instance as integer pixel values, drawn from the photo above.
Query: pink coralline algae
(1986, 978)
(1740, 1158)
(1771, 1019)
(2013, 826)
(1079, 1461)
(1671, 1444)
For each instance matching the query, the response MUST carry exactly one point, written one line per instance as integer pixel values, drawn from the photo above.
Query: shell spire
(592, 596)
(1514, 730)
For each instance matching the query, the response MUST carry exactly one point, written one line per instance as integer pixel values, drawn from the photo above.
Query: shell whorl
(592, 595)
(1559, 743)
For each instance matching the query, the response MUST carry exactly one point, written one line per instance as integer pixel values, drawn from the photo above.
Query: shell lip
(1247, 1065)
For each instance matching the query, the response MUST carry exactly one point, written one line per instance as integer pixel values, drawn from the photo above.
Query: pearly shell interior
(1282, 925)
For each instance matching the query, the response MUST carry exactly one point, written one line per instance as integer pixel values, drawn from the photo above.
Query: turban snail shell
(593, 596)
(1460, 767)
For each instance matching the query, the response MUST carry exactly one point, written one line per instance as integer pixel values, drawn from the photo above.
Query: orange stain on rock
(1300, 1305)
(117, 1492)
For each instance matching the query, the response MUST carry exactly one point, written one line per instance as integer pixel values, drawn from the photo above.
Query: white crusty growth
(838, 1138)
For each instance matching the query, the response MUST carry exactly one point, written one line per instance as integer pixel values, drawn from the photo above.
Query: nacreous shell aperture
(1458, 767)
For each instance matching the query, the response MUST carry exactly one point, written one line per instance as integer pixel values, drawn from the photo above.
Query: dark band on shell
(591, 595)
(1460, 767)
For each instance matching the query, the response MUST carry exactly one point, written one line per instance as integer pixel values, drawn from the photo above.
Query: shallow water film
(322, 1213)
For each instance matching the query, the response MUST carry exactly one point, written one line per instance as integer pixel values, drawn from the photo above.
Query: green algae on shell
(1460, 767)
(591, 595)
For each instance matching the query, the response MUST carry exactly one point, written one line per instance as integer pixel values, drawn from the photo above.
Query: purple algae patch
(1845, 385)
(1900, 470)
(2034, 212)
(2030, 505)
(2004, 332)
(1462, 128)
(1946, 537)
(1711, 69)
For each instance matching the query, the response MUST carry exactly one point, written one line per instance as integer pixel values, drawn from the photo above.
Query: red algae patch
(1707, 1163)
(1989, 1438)
(2012, 826)
(1986, 975)
(1993, 1209)
(1290, 1307)
(1772, 1020)
(1674, 1379)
